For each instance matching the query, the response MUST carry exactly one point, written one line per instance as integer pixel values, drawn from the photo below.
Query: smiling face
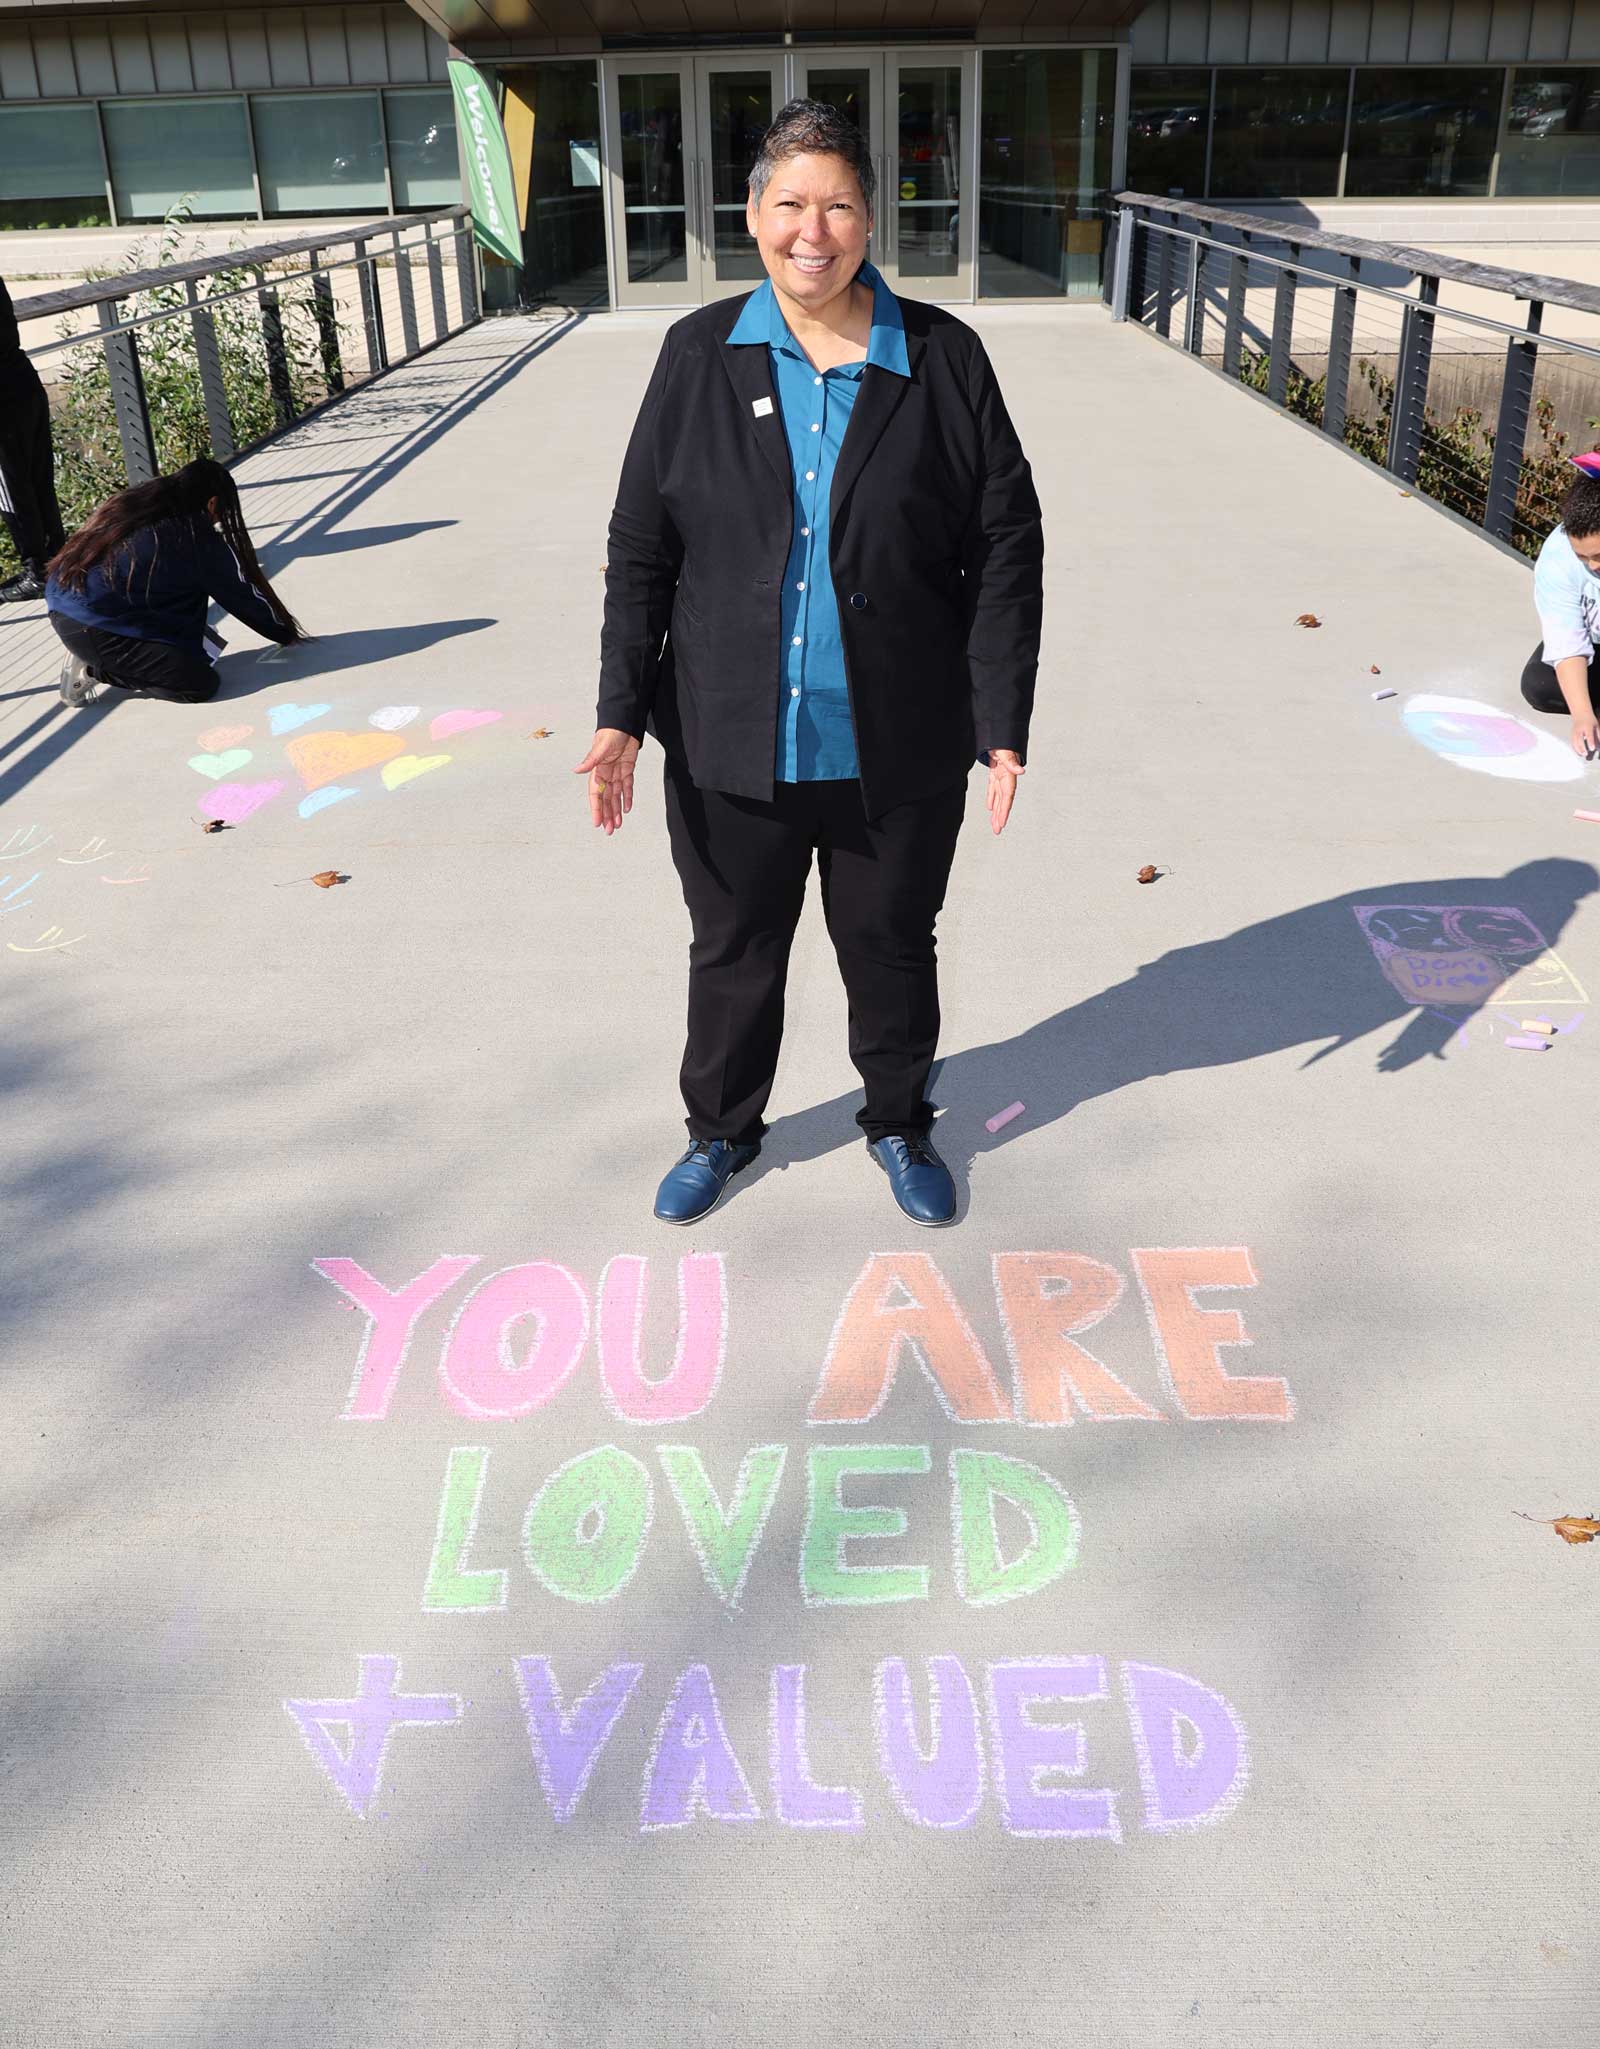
(811, 226)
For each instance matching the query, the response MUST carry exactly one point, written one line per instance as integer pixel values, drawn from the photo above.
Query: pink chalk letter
(942, 1786)
(1028, 1753)
(392, 1319)
(702, 1339)
(371, 1718)
(566, 1742)
(1193, 1758)
(479, 1369)
(796, 1796)
(692, 1768)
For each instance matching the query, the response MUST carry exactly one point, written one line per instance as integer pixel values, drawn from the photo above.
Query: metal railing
(1399, 354)
(381, 265)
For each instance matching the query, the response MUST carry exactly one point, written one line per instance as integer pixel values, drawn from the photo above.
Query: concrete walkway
(331, 1720)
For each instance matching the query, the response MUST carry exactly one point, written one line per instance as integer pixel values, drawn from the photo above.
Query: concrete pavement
(1193, 1681)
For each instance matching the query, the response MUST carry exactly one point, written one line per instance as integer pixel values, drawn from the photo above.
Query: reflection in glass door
(929, 198)
(735, 100)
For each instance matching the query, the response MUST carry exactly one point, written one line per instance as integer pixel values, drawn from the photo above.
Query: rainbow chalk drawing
(724, 1540)
(88, 854)
(702, 1339)
(216, 766)
(7, 905)
(1493, 742)
(235, 802)
(288, 718)
(797, 1799)
(1466, 954)
(452, 1588)
(409, 767)
(1001, 1118)
(393, 716)
(586, 1528)
(371, 1718)
(1193, 1755)
(53, 939)
(449, 722)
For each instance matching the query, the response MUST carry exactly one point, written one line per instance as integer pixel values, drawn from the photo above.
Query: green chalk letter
(977, 1478)
(451, 1587)
(825, 1579)
(586, 1526)
(725, 1541)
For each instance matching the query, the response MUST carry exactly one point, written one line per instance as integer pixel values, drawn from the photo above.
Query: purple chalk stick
(1528, 1042)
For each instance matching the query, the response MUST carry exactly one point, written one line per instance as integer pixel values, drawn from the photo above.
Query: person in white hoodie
(1566, 593)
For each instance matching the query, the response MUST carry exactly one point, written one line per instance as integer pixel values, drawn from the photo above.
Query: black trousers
(153, 668)
(743, 865)
(27, 463)
(1539, 685)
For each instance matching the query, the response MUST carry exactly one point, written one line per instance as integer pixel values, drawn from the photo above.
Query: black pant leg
(154, 668)
(883, 886)
(1539, 685)
(27, 465)
(743, 866)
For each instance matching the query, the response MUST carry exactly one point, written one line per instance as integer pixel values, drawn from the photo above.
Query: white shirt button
(811, 476)
(799, 586)
(795, 692)
(816, 380)
(805, 532)
(816, 426)
(797, 640)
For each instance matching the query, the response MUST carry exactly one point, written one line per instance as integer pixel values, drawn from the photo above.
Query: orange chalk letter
(1188, 1338)
(1046, 1299)
(900, 1299)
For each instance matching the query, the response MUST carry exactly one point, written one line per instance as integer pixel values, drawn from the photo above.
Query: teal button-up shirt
(816, 741)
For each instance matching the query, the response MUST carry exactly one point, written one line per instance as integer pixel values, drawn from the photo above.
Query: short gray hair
(811, 128)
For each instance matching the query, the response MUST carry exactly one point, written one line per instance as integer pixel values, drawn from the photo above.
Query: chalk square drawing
(1466, 954)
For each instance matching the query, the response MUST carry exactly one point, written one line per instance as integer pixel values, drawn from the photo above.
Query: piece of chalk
(1539, 1024)
(1003, 1116)
(1383, 693)
(1592, 816)
(1529, 1045)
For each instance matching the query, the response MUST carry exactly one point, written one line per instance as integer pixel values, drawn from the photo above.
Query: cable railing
(266, 334)
(1444, 373)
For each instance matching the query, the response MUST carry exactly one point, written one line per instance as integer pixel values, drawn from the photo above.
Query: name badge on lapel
(761, 407)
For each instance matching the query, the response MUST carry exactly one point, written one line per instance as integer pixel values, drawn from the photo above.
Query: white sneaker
(79, 683)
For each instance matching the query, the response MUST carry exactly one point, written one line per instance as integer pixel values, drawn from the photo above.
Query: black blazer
(936, 551)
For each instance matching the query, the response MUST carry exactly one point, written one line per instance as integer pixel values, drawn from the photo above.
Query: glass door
(926, 221)
(649, 106)
(735, 100)
(852, 81)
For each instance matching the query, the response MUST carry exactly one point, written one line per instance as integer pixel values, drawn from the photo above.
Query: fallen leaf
(327, 878)
(1571, 1529)
(541, 733)
(1148, 872)
(1373, 669)
(1308, 619)
(211, 825)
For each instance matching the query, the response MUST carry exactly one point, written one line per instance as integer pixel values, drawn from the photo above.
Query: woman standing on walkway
(823, 596)
(129, 593)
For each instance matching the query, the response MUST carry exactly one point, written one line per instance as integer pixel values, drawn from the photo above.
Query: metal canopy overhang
(498, 29)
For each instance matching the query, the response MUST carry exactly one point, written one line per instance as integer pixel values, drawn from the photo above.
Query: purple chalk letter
(1193, 1762)
(371, 1718)
(941, 1787)
(567, 1742)
(692, 1767)
(799, 1800)
(1027, 1752)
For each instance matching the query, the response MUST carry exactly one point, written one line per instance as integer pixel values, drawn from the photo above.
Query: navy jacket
(935, 545)
(162, 582)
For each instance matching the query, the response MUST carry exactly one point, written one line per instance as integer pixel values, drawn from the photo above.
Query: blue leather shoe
(919, 1178)
(699, 1181)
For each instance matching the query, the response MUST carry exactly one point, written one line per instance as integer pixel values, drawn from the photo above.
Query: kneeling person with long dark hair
(129, 593)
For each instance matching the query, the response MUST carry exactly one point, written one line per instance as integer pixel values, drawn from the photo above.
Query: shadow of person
(1311, 977)
(253, 669)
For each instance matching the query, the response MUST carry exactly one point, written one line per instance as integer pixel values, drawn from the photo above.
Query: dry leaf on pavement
(1571, 1529)
(1308, 619)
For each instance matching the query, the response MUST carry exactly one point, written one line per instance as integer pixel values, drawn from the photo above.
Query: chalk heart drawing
(1478, 736)
(449, 722)
(287, 718)
(393, 716)
(234, 802)
(319, 758)
(215, 738)
(218, 765)
(319, 800)
(409, 767)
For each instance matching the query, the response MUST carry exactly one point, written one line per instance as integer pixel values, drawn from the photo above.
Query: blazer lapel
(749, 369)
(881, 392)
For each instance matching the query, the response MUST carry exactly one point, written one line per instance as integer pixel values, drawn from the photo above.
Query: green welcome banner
(490, 187)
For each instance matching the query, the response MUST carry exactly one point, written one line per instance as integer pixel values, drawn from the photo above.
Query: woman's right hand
(1586, 735)
(609, 767)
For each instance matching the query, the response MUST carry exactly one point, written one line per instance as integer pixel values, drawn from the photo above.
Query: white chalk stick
(1530, 1045)
(1539, 1024)
(1383, 693)
(1003, 1116)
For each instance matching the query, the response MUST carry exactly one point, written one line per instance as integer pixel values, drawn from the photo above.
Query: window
(167, 150)
(1552, 142)
(1167, 116)
(50, 170)
(1044, 172)
(320, 153)
(422, 149)
(1278, 134)
(1416, 133)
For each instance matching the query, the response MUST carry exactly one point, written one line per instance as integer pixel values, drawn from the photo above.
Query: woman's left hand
(1004, 770)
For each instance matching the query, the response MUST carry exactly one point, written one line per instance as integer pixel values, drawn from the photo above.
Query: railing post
(327, 319)
(1341, 333)
(467, 273)
(441, 316)
(277, 360)
(1194, 326)
(1409, 414)
(1122, 264)
(371, 310)
(1233, 325)
(1511, 430)
(208, 360)
(408, 300)
(127, 395)
(1163, 322)
(1278, 363)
